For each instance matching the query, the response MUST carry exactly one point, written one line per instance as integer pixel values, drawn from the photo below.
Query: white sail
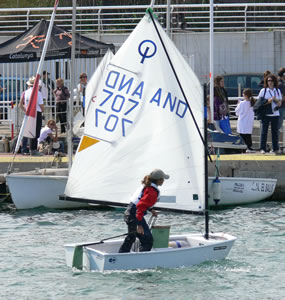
(139, 122)
(95, 80)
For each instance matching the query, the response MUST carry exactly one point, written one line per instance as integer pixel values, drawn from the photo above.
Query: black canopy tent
(28, 45)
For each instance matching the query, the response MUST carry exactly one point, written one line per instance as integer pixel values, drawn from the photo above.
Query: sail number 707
(111, 121)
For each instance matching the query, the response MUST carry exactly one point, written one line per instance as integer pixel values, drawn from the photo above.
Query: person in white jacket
(244, 111)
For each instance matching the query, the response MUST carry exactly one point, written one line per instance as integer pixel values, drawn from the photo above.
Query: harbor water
(32, 261)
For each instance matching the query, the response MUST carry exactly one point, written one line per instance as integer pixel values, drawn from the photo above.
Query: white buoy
(217, 190)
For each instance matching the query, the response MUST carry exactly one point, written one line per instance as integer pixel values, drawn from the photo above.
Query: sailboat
(148, 113)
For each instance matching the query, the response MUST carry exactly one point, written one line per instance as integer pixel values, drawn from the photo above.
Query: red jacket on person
(149, 198)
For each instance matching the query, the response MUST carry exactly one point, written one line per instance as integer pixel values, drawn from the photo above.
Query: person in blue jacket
(142, 200)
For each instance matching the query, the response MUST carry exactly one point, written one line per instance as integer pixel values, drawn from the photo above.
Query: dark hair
(147, 181)
(273, 77)
(281, 72)
(266, 73)
(248, 93)
(83, 75)
(218, 79)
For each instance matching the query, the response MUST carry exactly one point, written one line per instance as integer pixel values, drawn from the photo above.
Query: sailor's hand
(154, 212)
(140, 229)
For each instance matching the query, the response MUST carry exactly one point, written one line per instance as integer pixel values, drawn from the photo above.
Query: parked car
(11, 89)
(246, 80)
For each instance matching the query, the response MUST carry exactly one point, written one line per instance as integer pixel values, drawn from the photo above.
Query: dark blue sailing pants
(146, 239)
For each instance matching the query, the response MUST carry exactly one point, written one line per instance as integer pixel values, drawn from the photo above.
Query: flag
(31, 113)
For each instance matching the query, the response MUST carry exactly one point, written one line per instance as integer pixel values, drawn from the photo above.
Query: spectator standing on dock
(272, 101)
(244, 111)
(265, 73)
(221, 107)
(81, 90)
(47, 91)
(40, 108)
(281, 86)
(62, 95)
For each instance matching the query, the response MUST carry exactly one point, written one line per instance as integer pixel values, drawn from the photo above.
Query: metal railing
(101, 20)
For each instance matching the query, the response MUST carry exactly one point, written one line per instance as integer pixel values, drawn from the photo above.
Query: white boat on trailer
(194, 249)
(146, 114)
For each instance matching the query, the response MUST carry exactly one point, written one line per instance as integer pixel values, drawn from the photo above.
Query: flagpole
(70, 106)
(31, 109)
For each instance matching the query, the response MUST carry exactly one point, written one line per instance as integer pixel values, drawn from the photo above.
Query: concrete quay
(23, 163)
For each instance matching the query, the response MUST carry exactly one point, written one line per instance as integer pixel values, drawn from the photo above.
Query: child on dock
(48, 142)
(244, 111)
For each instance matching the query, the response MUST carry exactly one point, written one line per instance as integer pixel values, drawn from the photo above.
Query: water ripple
(32, 257)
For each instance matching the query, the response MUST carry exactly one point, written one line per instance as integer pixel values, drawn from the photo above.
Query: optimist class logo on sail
(123, 95)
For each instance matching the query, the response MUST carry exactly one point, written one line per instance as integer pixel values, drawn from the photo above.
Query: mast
(72, 70)
(168, 18)
(212, 59)
(212, 115)
(206, 164)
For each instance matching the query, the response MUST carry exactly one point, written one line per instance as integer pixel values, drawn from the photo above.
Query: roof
(28, 45)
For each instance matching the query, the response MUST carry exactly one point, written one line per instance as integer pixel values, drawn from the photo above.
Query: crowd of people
(268, 107)
(57, 97)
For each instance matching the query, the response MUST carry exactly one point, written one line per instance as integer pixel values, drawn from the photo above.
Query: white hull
(195, 250)
(40, 188)
(239, 190)
(33, 189)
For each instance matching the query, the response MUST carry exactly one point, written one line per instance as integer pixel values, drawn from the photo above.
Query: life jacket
(137, 195)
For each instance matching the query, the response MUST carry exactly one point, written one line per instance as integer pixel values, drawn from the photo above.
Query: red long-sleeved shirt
(148, 200)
